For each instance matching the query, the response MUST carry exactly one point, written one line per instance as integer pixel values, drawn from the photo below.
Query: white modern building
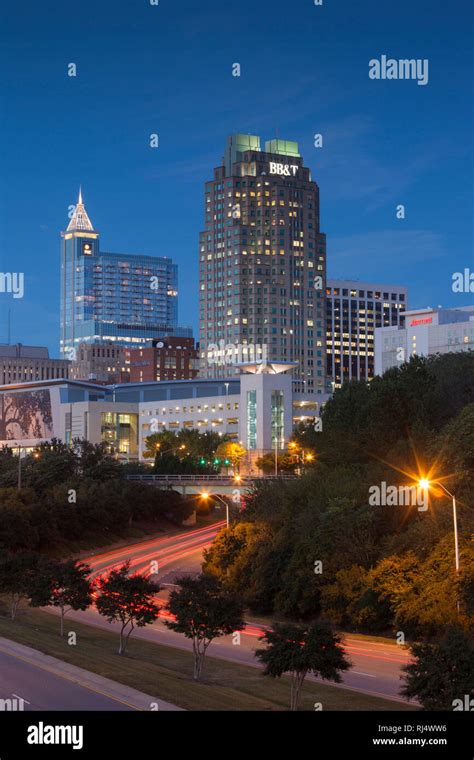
(257, 408)
(426, 332)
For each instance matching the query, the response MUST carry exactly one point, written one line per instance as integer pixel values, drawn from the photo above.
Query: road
(376, 666)
(44, 690)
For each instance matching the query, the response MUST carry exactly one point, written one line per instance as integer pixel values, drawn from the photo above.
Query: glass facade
(252, 419)
(278, 420)
(127, 299)
(120, 432)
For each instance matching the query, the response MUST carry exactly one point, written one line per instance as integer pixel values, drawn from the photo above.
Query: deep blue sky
(167, 69)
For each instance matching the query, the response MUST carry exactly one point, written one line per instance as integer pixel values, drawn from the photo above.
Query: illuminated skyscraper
(123, 298)
(354, 311)
(263, 264)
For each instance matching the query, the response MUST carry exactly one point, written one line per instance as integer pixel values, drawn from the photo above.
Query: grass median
(166, 672)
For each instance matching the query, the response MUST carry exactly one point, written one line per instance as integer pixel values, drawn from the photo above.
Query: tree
(441, 672)
(266, 463)
(17, 574)
(65, 585)
(129, 600)
(299, 650)
(51, 463)
(351, 602)
(231, 451)
(197, 445)
(95, 461)
(204, 610)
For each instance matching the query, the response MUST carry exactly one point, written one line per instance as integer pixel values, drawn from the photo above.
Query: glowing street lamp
(205, 495)
(425, 484)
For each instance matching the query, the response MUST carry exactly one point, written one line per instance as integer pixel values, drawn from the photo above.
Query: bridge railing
(158, 478)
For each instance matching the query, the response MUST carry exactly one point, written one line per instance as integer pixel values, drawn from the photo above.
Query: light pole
(302, 456)
(206, 496)
(226, 402)
(425, 484)
(36, 456)
(19, 467)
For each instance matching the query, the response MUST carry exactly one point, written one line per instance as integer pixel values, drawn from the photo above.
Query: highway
(376, 666)
(42, 689)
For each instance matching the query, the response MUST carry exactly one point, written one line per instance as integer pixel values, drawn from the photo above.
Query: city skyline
(384, 142)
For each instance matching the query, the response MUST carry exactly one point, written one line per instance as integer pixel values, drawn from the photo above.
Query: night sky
(167, 69)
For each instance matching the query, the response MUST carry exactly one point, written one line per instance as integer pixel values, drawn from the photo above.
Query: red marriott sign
(424, 321)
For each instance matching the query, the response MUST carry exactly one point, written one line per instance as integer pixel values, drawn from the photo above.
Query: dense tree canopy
(316, 546)
(75, 494)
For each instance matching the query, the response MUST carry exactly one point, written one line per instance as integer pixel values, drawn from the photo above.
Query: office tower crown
(80, 221)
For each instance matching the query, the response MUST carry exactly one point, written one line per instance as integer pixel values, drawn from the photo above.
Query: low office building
(168, 358)
(24, 364)
(257, 408)
(426, 332)
(100, 363)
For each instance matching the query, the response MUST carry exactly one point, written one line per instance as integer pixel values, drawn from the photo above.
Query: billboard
(25, 416)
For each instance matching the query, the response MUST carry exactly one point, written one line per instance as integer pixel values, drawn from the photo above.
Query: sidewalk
(105, 686)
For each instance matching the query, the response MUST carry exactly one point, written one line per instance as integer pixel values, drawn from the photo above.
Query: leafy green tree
(306, 436)
(17, 575)
(129, 600)
(231, 451)
(17, 532)
(164, 440)
(266, 463)
(203, 609)
(351, 602)
(95, 461)
(65, 585)
(442, 672)
(243, 558)
(466, 589)
(420, 591)
(198, 446)
(299, 650)
(50, 463)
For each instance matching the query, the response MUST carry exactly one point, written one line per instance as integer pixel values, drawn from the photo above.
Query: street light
(301, 456)
(425, 484)
(36, 455)
(205, 495)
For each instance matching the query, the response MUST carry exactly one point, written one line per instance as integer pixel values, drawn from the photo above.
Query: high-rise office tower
(263, 264)
(125, 299)
(354, 310)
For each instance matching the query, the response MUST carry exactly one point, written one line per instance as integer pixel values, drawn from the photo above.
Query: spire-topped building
(118, 298)
(80, 220)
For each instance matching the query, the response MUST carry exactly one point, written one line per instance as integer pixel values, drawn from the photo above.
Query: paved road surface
(376, 666)
(45, 690)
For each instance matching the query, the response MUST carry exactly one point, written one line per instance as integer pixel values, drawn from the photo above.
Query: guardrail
(222, 479)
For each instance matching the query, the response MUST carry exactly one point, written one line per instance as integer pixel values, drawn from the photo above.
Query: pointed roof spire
(80, 221)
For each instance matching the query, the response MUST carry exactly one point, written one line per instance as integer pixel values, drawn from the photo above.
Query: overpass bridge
(224, 485)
